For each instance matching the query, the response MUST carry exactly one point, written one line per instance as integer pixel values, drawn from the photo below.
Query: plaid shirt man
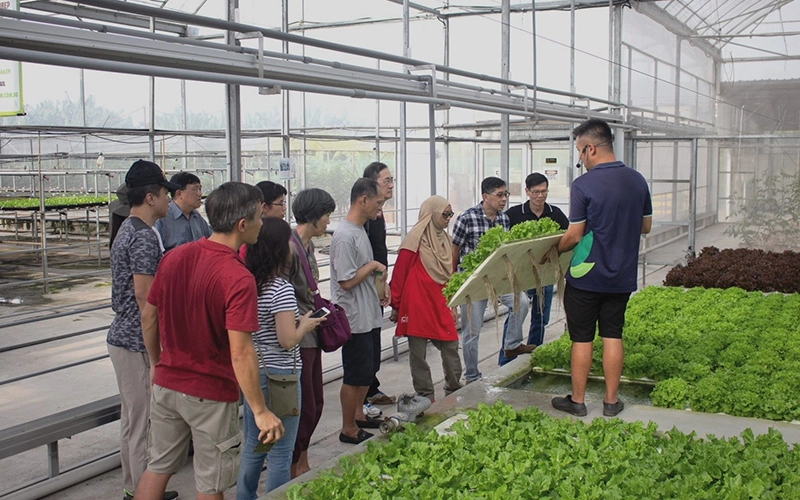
(470, 226)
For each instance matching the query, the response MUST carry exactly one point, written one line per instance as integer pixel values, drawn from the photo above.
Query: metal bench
(47, 431)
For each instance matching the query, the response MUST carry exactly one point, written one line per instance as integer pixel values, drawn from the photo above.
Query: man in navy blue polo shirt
(610, 208)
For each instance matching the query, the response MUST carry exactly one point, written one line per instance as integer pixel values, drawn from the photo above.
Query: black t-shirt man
(522, 213)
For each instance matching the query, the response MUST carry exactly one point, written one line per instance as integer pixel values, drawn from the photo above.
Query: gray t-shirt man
(136, 250)
(350, 250)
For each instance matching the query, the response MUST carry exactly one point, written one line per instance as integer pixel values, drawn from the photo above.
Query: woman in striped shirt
(276, 340)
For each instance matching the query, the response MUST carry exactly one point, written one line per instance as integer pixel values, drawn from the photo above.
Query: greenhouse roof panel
(722, 19)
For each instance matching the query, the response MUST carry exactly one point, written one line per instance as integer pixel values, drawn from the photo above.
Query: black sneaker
(568, 405)
(611, 409)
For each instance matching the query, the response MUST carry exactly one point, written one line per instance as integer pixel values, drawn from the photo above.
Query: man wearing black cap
(135, 255)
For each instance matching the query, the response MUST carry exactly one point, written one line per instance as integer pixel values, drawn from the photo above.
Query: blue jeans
(471, 329)
(279, 458)
(539, 320)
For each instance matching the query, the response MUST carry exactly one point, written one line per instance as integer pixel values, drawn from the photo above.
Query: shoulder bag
(335, 331)
(282, 397)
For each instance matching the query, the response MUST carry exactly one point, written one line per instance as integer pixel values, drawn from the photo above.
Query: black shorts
(588, 312)
(361, 358)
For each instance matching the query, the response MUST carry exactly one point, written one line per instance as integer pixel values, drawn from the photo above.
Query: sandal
(362, 436)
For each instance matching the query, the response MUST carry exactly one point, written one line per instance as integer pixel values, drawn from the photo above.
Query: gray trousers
(133, 379)
(421, 371)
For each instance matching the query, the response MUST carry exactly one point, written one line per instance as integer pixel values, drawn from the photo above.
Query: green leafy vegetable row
(489, 242)
(504, 454)
(52, 202)
(714, 350)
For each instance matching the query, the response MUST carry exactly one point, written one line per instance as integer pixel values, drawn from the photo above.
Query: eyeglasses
(447, 215)
(539, 192)
(583, 151)
(388, 181)
(281, 204)
(501, 194)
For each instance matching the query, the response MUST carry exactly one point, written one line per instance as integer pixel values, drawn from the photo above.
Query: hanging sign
(10, 77)
(287, 169)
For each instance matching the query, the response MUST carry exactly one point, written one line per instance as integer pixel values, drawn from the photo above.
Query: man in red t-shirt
(197, 325)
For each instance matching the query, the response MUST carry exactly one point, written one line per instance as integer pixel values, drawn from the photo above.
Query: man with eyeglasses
(467, 230)
(610, 207)
(376, 232)
(274, 199)
(536, 188)
(183, 222)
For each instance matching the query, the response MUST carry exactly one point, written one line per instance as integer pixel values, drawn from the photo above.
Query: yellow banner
(10, 78)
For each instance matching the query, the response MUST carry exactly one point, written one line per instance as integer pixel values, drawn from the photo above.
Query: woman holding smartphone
(276, 343)
(312, 210)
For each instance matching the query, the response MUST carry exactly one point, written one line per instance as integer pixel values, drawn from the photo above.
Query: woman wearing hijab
(424, 264)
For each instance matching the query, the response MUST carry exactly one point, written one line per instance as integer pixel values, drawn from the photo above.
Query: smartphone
(321, 312)
(263, 447)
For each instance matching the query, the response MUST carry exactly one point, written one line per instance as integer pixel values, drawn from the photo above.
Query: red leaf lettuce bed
(743, 268)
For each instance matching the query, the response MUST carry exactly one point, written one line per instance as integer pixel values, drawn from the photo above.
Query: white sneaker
(371, 411)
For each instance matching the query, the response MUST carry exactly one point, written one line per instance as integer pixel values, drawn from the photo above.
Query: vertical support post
(233, 124)
(655, 85)
(82, 90)
(377, 146)
(151, 115)
(97, 233)
(505, 55)
(678, 41)
(717, 90)
(184, 124)
(446, 76)
(43, 229)
(403, 167)
(432, 132)
(52, 458)
(304, 144)
(616, 96)
(570, 170)
(286, 149)
(693, 200)
(611, 59)
(629, 69)
(432, 143)
(89, 232)
(533, 36)
(619, 144)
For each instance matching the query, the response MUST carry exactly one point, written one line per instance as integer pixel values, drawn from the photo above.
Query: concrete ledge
(495, 387)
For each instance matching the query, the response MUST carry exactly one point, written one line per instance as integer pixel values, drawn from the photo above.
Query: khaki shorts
(175, 418)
